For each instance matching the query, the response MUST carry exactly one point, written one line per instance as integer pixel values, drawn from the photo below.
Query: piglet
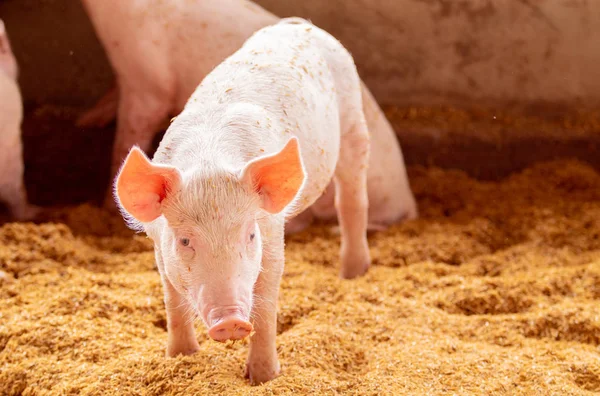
(260, 139)
(161, 50)
(12, 188)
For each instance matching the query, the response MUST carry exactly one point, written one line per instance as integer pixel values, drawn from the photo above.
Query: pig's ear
(277, 178)
(142, 186)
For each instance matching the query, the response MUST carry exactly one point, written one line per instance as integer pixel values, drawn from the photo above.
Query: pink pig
(260, 139)
(161, 50)
(12, 188)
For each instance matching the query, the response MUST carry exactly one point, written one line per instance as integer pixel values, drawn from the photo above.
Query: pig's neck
(226, 136)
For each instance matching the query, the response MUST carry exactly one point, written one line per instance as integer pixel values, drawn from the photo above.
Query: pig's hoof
(355, 266)
(355, 272)
(335, 230)
(261, 372)
(374, 227)
(28, 213)
(355, 258)
(185, 349)
(371, 228)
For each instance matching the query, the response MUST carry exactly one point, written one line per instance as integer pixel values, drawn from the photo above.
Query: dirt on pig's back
(494, 290)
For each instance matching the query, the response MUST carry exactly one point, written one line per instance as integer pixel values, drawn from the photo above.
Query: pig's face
(208, 230)
(211, 244)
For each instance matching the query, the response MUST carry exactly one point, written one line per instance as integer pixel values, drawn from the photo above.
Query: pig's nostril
(230, 329)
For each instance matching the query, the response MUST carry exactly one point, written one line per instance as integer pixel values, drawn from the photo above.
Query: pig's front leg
(263, 364)
(180, 323)
(15, 197)
(139, 118)
(352, 200)
(12, 190)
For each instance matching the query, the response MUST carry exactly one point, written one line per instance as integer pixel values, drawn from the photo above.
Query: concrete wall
(408, 51)
(60, 58)
(492, 51)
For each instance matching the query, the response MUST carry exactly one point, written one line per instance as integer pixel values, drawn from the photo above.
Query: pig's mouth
(228, 323)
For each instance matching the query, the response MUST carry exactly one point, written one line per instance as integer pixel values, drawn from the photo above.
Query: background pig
(160, 51)
(12, 188)
(260, 139)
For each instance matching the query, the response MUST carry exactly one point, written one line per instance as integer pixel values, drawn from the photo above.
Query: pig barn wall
(512, 57)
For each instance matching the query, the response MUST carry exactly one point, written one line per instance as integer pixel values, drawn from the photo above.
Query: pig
(259, 140)
(161, 50)
(12, 187)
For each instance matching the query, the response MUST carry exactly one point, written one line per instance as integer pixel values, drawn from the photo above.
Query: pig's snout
(228, 324)
(230, 329)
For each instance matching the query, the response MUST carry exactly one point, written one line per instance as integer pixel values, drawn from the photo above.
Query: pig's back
(296, 71)
(318, 82)
(286, 69)
(341, 66)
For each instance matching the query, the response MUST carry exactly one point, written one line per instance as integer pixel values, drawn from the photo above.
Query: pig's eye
(184, 242)
(251, 237)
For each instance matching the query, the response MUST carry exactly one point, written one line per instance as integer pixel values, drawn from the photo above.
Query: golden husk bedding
(494, 290)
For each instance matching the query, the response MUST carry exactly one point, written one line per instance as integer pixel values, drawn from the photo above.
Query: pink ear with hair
(277, 178)
(142, 186)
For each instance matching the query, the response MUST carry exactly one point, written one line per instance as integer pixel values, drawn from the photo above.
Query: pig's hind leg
(352, 200)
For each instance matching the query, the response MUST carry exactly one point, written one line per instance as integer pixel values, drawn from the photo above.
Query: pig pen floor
(494, 290)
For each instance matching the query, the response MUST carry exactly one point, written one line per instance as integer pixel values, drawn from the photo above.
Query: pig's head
(8, 63)
(205, 223)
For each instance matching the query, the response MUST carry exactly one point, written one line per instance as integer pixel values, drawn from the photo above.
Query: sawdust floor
(495, 290)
